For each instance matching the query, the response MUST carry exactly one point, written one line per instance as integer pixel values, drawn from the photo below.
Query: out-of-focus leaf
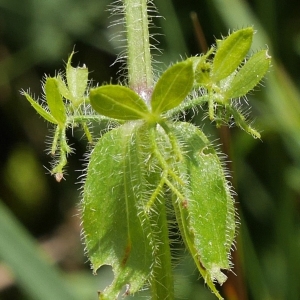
(39, 279)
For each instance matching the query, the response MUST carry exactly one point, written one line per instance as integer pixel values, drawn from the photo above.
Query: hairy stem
(138, 48)
(162, 284)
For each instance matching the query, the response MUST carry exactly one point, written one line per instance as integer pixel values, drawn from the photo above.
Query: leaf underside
(206, 215)
(116, 227)
(124, 173)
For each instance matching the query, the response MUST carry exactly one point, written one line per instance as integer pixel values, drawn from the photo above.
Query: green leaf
(40, 110)
(55, 101)
(172, 87)
(230, 53)
(240, 120)
(206, 214)
(77, 79)
(249, 75)
(118, 102)
(116, 226)
(63, 89)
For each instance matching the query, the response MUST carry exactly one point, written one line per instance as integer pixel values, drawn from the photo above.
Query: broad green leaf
(55, 101)
(40, 110)
(231, 52)
(206, 215)
(172, 87)
(118, 102)
(116, 226)
(249, 75)
(77, 79)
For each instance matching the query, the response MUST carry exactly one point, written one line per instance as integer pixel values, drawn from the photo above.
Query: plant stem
(162, 284)
(140, 77)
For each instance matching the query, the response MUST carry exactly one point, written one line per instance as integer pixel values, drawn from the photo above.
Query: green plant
(148, 165)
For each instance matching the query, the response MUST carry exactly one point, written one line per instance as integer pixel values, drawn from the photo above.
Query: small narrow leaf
(63, 89)
(231, 52)
(118, 102)
(172, 87)
(241, 121)
(77, 79)
(40, 110)
(249, 75)
(116, 227)
(55, 101)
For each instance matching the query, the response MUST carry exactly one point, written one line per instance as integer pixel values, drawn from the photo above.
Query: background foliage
(40, 248)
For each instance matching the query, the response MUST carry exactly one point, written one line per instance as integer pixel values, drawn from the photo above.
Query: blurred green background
(41, 254)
